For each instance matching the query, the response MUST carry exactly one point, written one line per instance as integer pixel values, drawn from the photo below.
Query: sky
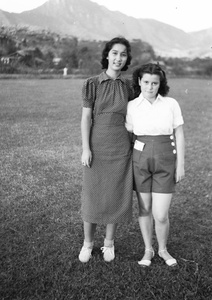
(188, 15)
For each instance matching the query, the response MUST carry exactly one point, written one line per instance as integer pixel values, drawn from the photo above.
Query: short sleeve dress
(108, 184)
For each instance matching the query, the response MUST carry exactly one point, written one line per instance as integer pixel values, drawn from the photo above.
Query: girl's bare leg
(146, 222)
(160, 209)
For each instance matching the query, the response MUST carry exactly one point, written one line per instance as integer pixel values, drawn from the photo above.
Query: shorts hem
(158, 192)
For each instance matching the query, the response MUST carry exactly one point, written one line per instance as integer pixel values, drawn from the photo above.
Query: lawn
(40, 224)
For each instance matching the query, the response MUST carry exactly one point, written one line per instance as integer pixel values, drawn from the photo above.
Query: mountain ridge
(85, 19)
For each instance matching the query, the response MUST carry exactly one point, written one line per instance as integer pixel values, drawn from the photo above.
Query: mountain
(88, 20)
(204, 42)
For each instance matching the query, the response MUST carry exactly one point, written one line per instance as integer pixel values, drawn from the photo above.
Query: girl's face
(117, 57)
(149, 86)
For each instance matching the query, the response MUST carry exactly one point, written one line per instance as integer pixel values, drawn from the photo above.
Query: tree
(142, 52)
(48, 58)
(7, 45)
(208, 70)
(69, 58)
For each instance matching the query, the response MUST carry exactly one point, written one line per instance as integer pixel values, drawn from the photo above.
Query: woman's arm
(85, 132)
(180, 146)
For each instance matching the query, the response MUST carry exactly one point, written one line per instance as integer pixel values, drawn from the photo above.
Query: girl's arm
(180, 146)
(85, 132)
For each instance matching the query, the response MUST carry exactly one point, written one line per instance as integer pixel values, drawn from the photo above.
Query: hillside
(85, 19)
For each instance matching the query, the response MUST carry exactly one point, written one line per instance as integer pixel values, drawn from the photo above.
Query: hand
(86, 158)
(180, 174)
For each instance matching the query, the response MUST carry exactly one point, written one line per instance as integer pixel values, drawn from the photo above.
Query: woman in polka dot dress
(157, 123)
(106, 156)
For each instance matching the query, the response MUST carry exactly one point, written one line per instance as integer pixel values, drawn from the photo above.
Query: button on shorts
(154, 164)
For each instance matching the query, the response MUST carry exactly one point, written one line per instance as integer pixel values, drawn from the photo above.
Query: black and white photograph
(105, 150)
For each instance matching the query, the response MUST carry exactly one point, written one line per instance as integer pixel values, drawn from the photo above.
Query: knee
(161, 219)
(145, 211)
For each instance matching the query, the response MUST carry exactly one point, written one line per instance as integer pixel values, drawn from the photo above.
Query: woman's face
(149, 86)
(117, 57)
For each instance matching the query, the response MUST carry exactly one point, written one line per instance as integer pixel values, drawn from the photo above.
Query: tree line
(26, 51)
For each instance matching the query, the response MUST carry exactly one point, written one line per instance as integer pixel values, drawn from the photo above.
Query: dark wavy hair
(109, 45)
(152, 69)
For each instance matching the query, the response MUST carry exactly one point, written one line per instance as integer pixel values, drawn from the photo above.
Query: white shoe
(147, 262)
(108, 253)
(171, 262)
(85, 254)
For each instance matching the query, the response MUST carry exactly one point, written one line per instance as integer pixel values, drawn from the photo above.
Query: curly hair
(152, 69)
(109, 45)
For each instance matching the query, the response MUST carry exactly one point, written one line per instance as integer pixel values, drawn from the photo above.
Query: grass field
(41, 229)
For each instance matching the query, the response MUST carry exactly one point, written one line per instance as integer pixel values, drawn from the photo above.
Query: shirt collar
(159, 97)
(103, 77)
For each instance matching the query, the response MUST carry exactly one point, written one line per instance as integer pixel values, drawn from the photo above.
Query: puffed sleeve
(88, 93)
(177, 113)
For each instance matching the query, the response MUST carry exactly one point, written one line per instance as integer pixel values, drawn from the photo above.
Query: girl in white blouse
(158, 155)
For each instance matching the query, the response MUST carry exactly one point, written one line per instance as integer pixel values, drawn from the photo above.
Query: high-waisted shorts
(154, 163)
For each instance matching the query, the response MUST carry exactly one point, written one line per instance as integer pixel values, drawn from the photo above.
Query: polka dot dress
(108, 184)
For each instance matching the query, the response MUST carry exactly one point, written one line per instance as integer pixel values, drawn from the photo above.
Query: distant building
(56, 60)
(5, 60)
(24, 56)
(9, 59)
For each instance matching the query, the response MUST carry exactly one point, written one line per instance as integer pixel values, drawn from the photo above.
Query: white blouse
(158, 118)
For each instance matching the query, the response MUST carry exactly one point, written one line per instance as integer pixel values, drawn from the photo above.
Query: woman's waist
(109, 119)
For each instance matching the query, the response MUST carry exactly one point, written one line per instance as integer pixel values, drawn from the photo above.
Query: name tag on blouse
(139, 145)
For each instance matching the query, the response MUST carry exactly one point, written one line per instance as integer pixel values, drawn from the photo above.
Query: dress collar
(103, 77)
